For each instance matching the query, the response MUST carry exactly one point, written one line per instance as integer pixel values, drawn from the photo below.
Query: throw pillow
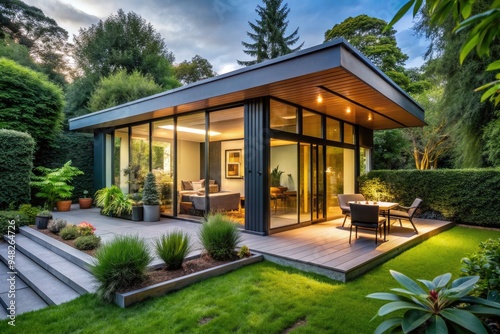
(187, 185)
(197, 185)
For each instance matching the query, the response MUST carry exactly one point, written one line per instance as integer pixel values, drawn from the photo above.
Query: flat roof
(332, 78)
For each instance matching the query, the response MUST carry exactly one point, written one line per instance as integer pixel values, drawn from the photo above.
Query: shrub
(6, 216)
(120, 264)
(244, 252)
(150, 192)
(87, 242)
(69, 232)
(461, 195)
(219, 235)
(77, 147)
(440, 306)
(85, 229)
(29, 211)
(485, 263)
(56, 225)
(16, 163)
(173, 248)
(112, 201)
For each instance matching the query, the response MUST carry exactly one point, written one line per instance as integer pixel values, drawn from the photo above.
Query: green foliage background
(79, 148)
(29, 103)
(16, 162)
(468, 196)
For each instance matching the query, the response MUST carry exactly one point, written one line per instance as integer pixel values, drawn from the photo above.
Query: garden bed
(197, 269)
(58, 238)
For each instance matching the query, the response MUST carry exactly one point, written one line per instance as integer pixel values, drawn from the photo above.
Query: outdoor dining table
(383, 207)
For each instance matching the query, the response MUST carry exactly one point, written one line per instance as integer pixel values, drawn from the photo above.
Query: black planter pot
(42, 222)
(137, 213)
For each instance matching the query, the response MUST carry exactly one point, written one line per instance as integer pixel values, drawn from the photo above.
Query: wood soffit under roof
(367, 97)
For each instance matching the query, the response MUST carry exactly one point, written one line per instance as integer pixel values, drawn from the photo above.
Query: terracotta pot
(63, 205)
(85, 203)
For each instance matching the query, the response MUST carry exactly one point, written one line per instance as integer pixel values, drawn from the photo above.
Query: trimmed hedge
(16, 163)
(466, 196)
(79, 148)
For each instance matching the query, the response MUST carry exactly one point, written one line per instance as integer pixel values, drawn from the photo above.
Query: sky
(214, 29)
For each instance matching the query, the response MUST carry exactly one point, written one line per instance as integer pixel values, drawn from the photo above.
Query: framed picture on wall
(233, 164)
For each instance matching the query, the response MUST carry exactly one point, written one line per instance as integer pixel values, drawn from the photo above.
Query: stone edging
(128, 298)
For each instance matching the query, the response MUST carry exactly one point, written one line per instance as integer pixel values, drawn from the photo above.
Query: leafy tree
(268, 36)
(491, 137)
(431, 142)
(120, 88)
(390, 150)
(465, 117)
(482, 29)
(18, 53)
(367, 34)
(124, 41)
(195, 70)
(29, 103)
(45, 40)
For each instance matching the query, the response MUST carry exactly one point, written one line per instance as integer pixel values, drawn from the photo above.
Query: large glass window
(121, 159)
(283, 117)
(163, 162)
(334, 179)
(139, 158)
(349, 135)
(311, 124)
(283, 200)
(332, 129)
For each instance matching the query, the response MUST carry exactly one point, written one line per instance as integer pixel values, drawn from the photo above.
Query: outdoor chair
(344, 200)
(366, 217)
(403, 212)
(277, 196)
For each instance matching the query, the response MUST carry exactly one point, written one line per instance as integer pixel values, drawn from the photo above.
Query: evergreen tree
(269, 34)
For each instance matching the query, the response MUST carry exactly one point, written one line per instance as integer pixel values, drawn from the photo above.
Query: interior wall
(233, 185)
(285, 157)
(188, 161)
(349, 171)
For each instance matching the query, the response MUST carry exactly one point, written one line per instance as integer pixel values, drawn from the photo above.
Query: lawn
(262, 298)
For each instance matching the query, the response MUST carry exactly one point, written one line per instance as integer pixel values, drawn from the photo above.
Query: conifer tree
(269, 34)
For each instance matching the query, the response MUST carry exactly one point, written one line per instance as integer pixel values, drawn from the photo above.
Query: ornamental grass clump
(173, 248)
(439, 306)
(219, 236)
(120, 264)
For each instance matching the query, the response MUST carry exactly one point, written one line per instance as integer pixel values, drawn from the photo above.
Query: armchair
(403, 212)
(344, 200)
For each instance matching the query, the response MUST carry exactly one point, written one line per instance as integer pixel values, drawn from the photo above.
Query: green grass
(262, 298)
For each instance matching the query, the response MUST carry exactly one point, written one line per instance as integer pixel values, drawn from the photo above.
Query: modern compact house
(274, 142)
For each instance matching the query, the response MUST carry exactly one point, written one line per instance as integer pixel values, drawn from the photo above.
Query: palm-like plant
(112, 201)
(439, 307)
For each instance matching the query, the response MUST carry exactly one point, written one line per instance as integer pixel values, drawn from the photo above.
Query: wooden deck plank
(325, 248)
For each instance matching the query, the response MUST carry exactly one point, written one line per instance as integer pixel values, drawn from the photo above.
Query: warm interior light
(189, 130)
(370, 117)
(348, 110)
(289, 117)
(320, 98)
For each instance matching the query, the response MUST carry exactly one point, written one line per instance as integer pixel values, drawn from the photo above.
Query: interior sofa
(221, 201)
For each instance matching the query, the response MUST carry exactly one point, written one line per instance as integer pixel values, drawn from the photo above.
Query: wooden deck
(324, 248)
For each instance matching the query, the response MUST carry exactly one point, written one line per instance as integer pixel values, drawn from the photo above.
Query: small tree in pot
(151, 199)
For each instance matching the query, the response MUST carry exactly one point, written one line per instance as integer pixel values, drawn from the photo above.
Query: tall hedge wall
(16, 162)
(79, 148)
(468, 196)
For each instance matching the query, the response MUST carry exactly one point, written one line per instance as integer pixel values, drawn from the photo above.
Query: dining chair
(407, 213)
(344, 200)
(366, 217)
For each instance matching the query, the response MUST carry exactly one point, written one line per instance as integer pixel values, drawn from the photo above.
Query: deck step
(52, 290)
(64, 269)
(75, 256)
(24, 297)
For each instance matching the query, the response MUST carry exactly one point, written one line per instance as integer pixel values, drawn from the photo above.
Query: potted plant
(113, 202)
(55, 185)
(137, 208)
(85, 202)
(276, 178)
(42, 219)
(151, 199)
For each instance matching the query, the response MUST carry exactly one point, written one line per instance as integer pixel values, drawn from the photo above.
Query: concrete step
(81, 259)
(61, 267)
(24, 298)
(52, 290)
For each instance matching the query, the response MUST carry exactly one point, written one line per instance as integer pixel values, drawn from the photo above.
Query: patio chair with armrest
(366, 217)
(404, 212)
(344, 200)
